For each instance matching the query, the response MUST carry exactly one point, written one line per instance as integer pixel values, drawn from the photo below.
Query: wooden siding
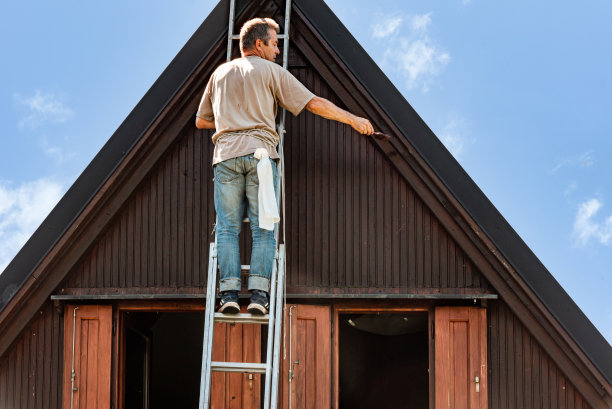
(522, 375)
(30, 371)
(159, 240)
(353, 223)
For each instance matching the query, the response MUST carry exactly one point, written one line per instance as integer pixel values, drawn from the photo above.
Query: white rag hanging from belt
(268, 209)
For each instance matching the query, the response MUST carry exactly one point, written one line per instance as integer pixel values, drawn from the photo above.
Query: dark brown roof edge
(514, 249)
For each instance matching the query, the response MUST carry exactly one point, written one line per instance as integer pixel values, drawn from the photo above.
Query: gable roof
(499, 234)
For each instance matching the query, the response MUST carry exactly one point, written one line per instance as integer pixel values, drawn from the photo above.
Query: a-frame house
(405, 286)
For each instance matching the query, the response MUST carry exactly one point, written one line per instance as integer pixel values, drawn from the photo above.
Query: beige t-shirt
(241, 97)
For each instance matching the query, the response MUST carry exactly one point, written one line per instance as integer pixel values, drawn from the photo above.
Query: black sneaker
(259, 303)
(229, 303)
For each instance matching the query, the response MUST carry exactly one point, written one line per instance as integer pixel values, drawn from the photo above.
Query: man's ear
(258, 43)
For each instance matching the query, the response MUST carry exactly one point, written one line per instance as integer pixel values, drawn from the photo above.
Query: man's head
(258, 37)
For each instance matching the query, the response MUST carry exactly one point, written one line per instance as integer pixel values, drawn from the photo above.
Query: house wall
(522, 375)
(31, 370)
(353, 223)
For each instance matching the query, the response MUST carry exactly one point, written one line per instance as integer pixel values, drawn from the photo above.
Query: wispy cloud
(569, 190)
(386, 27)
(22, 209)
(410, 50)
(41, 109)
(583, 160)
(587, 229)
(419, 23)
(454, 137)
(57, 153)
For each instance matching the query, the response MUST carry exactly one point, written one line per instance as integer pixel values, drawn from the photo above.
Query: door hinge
(433, 330)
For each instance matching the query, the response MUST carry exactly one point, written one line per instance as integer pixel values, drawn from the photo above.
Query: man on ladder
(240, 102)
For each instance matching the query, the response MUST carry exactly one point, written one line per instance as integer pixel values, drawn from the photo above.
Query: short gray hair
(257, 28)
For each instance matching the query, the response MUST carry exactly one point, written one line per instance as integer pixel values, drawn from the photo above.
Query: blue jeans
(236, 186)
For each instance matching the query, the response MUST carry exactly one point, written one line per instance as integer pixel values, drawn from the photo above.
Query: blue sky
(520, 92)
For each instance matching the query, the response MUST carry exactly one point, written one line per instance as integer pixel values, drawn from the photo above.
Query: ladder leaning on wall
(277, 281)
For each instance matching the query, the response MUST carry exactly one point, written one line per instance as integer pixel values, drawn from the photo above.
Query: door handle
(477, 381)
(292, 372)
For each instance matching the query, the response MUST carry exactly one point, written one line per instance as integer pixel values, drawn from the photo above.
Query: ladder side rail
(230, 30)
(208, 327)
(277, 328)
(272, 395)
(286, 36)
(280, 168)
(271, 325)
(211, 289)
(281, 127)
(210, 333)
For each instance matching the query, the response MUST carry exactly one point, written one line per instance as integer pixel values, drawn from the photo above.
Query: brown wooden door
(236, 343)
(461, 358)
(91, 331)
(308, 355)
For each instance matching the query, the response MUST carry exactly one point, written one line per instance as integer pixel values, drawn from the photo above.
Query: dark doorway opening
(383, 360)
(163, 358)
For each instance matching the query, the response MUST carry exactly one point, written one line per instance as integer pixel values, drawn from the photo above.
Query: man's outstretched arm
(202, 123)
(327, 109)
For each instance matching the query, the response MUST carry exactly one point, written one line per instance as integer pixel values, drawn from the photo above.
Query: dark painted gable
(354, 225)
(420, 164)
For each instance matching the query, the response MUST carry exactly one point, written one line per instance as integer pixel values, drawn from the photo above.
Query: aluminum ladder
(277, 281)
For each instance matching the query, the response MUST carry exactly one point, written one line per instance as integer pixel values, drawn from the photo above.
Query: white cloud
(386, 27)
(584, 160)
(421, 61)
(411, 51)
(42, 109)
(454, 136)
(569, 190)
(420, 23)
(587, 229)
(22, 209)
(56, 152)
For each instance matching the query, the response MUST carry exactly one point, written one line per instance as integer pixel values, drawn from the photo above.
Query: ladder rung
(243, 367)
(279, 36)
(242, 318)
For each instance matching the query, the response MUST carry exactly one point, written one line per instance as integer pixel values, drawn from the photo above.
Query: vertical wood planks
(310, 358)
(29, 370)
(236, 343)
(353, 222)
(521, 372)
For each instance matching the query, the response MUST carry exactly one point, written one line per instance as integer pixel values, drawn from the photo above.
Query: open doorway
(163, 358)
(383, 360)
